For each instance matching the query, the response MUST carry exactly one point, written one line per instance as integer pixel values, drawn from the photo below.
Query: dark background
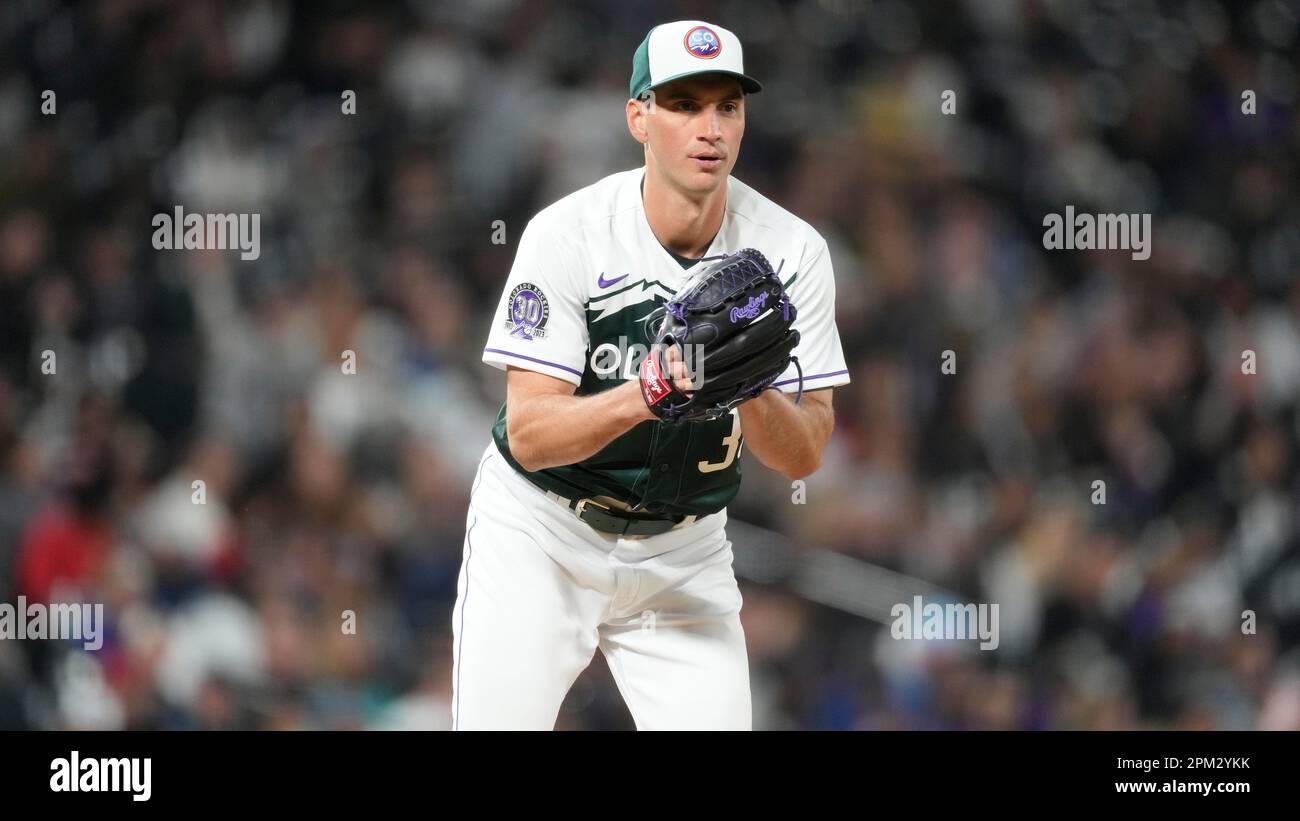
(328, 492)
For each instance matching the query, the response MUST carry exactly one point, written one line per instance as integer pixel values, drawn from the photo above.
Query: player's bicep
(522, 384)
(822, 401)
(530, 419)
(821, 396)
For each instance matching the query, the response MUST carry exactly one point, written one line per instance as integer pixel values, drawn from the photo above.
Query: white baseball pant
(539, 591)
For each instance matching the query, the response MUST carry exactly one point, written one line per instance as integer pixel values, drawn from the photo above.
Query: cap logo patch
(703, 42)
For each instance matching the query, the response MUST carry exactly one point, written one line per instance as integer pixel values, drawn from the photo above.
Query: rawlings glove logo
(751, 309)
(654, 385)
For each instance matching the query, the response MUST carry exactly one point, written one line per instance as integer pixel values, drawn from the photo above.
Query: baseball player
(594, 521)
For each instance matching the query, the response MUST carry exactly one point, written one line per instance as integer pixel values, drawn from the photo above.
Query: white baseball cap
(672, 51)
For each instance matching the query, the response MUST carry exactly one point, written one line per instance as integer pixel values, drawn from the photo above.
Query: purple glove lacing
(678, 310)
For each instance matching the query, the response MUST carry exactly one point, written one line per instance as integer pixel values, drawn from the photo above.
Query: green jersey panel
(688, 469)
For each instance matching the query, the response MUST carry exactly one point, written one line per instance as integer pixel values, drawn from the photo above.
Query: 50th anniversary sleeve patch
(527, 312)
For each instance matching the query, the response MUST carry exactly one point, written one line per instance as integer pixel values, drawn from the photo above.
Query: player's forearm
(786, 437)
(549, 430)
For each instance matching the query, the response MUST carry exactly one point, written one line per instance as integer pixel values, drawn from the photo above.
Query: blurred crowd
(1168, 595)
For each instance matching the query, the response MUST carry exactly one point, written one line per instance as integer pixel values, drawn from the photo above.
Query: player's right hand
(677, 369)
(664, 378)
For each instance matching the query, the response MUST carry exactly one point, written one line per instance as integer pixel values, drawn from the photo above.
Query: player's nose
(712, 128)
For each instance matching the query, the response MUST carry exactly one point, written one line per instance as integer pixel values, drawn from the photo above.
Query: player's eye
(730, 108)
(684, 105)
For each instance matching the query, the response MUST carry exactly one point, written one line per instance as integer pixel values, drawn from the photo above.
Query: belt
(608, 519)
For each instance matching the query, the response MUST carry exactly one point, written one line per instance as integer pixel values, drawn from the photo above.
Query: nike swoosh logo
(605, 283)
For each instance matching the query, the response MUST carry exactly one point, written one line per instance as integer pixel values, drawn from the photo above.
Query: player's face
(693, 131)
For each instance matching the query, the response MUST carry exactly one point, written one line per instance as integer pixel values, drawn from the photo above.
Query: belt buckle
(582, 503)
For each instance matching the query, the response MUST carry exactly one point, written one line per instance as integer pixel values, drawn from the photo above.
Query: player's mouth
(707, 160)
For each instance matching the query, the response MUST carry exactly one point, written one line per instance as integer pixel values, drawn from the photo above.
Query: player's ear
(637, 111)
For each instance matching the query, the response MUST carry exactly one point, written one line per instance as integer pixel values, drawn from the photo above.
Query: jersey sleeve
(540, 322)
(812, 291)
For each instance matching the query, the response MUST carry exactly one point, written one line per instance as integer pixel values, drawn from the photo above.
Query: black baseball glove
(733, 322)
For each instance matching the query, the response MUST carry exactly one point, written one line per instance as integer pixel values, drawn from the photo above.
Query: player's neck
(683, 223)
